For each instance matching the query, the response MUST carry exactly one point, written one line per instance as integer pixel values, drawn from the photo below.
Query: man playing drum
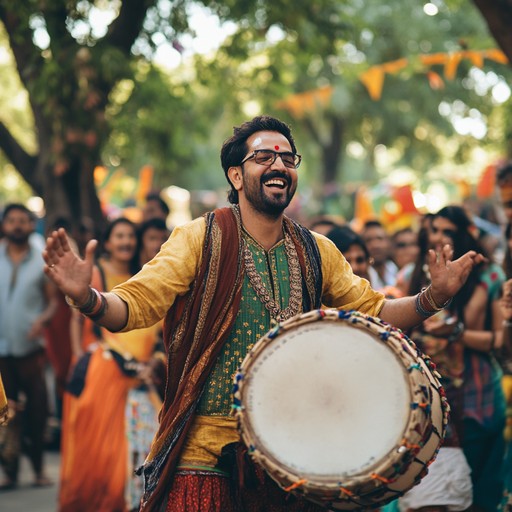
(222, 281)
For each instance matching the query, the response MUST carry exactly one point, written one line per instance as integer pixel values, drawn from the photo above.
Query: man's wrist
(84, 302)
(437, 302)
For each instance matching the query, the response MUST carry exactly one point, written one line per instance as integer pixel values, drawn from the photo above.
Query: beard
(17, 237)
(269, 202)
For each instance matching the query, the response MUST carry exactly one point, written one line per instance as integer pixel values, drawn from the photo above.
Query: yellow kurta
(152, 291)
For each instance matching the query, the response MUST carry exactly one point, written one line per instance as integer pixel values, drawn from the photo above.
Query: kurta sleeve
(342, 289)
(152, 291)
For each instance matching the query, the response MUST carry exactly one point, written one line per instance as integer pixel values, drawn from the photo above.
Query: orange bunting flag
(487, 183)
(363, 208)
(434, 58)
(496, 55)
(451, 65)
(145, 183)
(435, 81)
(476, 58)
(373, 80)
(309, 101)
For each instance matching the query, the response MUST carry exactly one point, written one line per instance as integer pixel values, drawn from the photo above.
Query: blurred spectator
(155, 207)
(504, 181)
(151, 234)
(351, 245)
(83, 233)
(461, 341)
(382, 269)
(97, 447)
(405, 247)
(27, 304)
(324, 223)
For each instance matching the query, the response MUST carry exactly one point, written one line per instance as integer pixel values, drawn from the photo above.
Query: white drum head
(327, 400)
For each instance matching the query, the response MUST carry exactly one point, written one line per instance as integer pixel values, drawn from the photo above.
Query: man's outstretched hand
(66, 268)
(446, 276)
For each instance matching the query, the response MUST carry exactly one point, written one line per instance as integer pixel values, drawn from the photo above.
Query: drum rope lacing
(407, 450)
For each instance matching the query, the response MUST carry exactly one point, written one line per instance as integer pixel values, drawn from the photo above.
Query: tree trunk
(498, 15)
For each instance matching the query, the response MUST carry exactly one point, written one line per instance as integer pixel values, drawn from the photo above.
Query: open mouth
(278, 183)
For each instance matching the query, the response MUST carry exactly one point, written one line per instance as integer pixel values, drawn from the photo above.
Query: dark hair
(17, 206)
(372, 224)
(154, 223)
(504, 173)
(235, 148)
(155, 196)
(399, 232)
(507, 260)
(344, 237)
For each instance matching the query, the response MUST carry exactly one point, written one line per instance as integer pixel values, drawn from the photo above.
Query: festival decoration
(373, 78)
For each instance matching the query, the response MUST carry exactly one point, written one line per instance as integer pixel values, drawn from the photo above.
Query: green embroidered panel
(252, 322)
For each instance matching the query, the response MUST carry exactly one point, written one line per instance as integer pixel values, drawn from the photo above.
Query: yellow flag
(373, 80)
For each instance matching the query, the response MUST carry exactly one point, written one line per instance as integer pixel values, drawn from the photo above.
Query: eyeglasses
(268, 157)
(358, 260)
(404, 245)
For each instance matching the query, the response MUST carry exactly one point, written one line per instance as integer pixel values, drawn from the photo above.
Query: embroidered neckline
(261, 290)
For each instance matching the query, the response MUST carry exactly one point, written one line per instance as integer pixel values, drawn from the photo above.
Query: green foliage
(96, 95)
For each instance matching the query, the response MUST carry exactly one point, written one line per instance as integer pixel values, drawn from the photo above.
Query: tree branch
(24, 163)
(55, 16)
(28, 58)
(125, 29)
(498, 15)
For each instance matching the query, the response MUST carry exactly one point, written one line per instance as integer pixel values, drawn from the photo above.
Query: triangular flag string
(373, 77)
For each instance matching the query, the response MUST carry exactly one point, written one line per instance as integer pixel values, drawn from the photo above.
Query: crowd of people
(96, 312)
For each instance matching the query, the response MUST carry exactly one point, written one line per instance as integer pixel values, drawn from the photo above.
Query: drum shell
(404, 464)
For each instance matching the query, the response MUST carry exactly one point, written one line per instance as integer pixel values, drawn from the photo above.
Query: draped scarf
(195, 329)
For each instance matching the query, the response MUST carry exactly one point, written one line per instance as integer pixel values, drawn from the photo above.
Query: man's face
(441, 232)
(17, 227)
(377, 243)
(267, 188)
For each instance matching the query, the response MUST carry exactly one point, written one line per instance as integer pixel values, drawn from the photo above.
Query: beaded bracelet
(432, 301)
(100, 311)
(87, 305)
(94, 307)
(426, 306)
(420, 308)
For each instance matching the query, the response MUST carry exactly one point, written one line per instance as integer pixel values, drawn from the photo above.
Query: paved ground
(26, 498)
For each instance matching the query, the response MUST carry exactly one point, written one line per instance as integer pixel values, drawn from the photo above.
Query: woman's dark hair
(235, 148)
(344, 237)
(507, 260)
(463, 241)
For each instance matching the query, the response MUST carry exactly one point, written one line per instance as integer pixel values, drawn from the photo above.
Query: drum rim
(395, 455)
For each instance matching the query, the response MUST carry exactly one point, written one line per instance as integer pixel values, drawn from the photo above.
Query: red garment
(58, 343)
(201, 492)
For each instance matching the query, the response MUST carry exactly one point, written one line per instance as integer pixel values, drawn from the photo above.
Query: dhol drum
(341, 408)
